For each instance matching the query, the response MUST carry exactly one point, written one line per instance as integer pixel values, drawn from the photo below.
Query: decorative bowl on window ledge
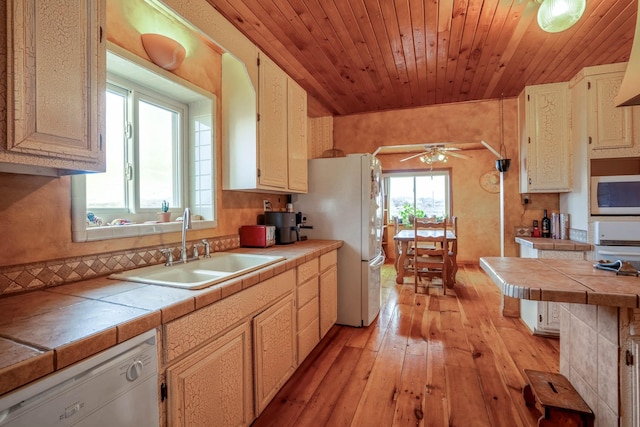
(163, 51)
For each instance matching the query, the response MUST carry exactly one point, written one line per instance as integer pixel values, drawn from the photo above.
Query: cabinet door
(274, 333)
(609, 126)
(297, 137)
(272, 126)
(328, 300)
(56, 85)
(545, 139)
(213, 387)
(548, 317)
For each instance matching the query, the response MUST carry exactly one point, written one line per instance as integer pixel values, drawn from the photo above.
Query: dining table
(404, 237)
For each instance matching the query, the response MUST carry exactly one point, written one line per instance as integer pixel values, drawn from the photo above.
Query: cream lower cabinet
(218, 358)
(214, 386)
(274, 337)
(328, 291)
(55, 89)
(544, 124)
(543, 317)
(308, 308)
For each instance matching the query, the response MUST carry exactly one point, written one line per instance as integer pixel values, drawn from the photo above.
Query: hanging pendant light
(559, 15)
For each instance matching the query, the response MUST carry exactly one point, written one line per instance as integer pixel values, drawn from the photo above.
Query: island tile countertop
(49, 329)
(543, 243)
(558, 280)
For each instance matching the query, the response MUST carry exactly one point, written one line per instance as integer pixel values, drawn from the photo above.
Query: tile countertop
(47, 330)
(553, 244)
(573, 281)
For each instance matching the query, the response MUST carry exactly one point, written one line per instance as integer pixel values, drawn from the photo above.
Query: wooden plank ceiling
(357, 56)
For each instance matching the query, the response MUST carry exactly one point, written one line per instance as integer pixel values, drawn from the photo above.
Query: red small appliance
(257, 236)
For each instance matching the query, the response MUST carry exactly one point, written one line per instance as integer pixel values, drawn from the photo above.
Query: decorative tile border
(578, 235)
(24, 277)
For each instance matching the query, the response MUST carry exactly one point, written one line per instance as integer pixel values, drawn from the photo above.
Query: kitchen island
(44, 331)
(599, 319)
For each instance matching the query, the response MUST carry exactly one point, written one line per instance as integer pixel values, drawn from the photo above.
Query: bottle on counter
(546, 225)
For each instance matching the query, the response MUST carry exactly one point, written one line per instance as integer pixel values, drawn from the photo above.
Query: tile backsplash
(25, 277)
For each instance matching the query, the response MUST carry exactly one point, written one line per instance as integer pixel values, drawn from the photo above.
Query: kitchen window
(418, 193)
(160, 143)
(145, 134)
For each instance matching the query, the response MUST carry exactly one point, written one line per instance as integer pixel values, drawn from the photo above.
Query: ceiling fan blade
(462, 156)
(449, 149)
(413, 157)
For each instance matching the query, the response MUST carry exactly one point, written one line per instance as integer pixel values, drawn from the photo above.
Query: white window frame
(133, 210)
(81, 232)
(435, 172)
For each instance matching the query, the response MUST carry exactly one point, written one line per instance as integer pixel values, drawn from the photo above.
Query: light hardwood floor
(428, 360)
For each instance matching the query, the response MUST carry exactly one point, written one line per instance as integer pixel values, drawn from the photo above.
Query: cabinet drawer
(328, 259)
(308, 313)
(307, 291)
(308, 338)
(307, 270)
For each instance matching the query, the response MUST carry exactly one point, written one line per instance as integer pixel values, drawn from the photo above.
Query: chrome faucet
(186, 224)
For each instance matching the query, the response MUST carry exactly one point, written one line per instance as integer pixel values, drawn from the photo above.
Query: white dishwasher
(117, 387)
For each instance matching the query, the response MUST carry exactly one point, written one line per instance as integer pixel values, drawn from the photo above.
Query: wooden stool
(560, 403)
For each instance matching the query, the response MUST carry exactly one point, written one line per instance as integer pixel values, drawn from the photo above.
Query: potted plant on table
(164, 215)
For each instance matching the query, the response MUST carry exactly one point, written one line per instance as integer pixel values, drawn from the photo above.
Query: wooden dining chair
(453, 250)
(430, 252)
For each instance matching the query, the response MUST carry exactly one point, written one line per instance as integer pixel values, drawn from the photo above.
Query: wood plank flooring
(443, 359)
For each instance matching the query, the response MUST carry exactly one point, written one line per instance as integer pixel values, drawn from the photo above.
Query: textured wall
(35, 211)
(478, 211)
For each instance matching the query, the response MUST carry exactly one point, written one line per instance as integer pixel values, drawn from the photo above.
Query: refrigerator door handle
(378, 260)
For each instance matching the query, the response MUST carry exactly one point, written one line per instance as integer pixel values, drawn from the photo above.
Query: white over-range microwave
(615, 195)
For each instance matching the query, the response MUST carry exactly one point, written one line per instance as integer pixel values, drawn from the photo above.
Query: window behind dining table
(427, 193)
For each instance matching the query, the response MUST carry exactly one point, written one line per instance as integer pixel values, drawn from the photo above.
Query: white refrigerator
(344, 202)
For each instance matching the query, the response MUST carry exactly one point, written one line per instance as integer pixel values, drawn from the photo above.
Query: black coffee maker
(286, 226)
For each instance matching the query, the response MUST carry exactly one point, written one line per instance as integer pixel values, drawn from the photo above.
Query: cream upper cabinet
(55, 87)
(609, 129)
(544, 123)
(269, 154)
(297, 136)
(272, 125)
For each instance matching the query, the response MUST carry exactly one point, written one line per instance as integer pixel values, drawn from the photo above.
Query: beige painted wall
(35, 212)
(478, 211)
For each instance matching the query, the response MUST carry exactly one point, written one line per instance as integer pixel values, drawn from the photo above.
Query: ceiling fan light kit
(436, 153)
(555, 16)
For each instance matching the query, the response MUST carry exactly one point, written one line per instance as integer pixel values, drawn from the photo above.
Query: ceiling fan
(436, 153)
